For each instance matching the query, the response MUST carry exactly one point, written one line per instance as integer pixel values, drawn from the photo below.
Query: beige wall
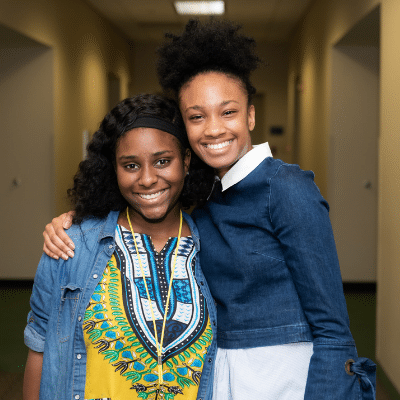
(86, 49)
(26, 152)
(353, 158)
(388, 312)
(310, 58)
(311, 55)
(270, 80)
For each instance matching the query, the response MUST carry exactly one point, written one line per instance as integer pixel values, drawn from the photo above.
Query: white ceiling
(148, 20)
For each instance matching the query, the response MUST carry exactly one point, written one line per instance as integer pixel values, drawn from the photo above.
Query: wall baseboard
(359, 287)
(16, 284)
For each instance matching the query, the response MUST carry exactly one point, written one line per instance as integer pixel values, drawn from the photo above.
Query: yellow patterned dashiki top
(119, 331)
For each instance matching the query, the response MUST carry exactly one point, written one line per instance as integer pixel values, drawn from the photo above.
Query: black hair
(95, 191)
(215, 45)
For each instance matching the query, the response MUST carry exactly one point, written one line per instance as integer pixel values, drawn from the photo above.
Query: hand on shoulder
(57, 244)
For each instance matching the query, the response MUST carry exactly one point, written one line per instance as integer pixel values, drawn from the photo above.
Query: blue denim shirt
(61, 293)
(269, 257)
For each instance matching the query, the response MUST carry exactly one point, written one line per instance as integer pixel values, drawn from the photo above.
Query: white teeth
(219, 145)
(151, 196)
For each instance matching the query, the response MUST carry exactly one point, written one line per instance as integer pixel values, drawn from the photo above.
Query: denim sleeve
(300, 219)
(41, 303)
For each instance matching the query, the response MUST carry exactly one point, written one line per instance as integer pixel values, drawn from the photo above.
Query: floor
(14, 306)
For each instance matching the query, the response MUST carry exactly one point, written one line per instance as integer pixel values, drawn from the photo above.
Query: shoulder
(274, 168)
(92, 226)
(79, 233)
(291, 175)
(274, 174)
(85, 227)
(292, 186)
(87, 238)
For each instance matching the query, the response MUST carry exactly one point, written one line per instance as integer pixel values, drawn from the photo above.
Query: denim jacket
(269, 256)
(61, 293)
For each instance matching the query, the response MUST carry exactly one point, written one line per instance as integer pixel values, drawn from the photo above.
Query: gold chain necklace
(158, 343)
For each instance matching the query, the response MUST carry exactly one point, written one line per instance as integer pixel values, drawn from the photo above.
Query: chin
(154, 219)
(219, 165)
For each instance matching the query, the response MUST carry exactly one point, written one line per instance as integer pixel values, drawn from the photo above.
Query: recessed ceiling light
(199, 7)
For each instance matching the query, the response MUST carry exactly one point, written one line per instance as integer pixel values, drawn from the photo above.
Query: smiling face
(151, 171)
(218, 119)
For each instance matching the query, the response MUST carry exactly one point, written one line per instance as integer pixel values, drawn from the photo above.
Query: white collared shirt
(248, 163)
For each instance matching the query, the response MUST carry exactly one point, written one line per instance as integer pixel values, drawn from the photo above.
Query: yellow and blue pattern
(118, 330)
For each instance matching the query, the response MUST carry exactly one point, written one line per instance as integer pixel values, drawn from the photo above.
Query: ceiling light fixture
(199, 7)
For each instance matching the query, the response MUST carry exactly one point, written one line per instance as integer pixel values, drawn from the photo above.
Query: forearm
(32, 377)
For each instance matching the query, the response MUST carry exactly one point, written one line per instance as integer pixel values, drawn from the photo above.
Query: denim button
(95, 276)
(77, 397)
(78, 356)
(202, 283)
(110, 246)
(79, 318)
(210, 360)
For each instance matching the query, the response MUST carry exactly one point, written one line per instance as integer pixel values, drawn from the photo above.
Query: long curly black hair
(95, 191)
(214, 45)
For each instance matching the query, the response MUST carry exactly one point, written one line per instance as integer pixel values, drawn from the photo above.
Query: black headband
(152, 121)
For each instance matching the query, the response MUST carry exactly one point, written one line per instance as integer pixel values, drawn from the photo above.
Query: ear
(251, 117)
(186, 160)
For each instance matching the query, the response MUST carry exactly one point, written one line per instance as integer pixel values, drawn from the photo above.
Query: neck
(159, 231)
(161, 228)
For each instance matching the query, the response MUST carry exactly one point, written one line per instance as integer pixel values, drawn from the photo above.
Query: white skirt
(267, 373)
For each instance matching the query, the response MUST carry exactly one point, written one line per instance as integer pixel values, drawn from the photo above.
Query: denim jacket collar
(108, 229)
(193, 229)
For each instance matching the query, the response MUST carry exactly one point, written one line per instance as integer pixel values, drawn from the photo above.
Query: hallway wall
(325, 23)
(86, 49)
(26, 152)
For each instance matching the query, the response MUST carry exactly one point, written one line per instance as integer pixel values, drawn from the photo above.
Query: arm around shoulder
(57, 244)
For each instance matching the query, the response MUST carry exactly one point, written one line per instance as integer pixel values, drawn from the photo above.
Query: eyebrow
(133, 157)
(224, 103)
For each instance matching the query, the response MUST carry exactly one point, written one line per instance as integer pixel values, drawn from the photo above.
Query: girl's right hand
(56, 242)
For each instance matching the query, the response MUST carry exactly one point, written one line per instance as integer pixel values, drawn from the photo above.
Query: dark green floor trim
(14, 308)
(387, 384)
(16, 284)
(356, 287)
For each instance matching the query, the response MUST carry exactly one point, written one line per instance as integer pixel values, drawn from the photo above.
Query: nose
(148, 176)
(215, 127)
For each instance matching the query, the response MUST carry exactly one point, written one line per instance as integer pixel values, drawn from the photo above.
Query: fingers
(54, 246)
(50, 253)
(64, 221)
(68, 221)
(57, 243)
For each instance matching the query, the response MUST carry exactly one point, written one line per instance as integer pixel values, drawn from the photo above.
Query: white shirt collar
(248, 163)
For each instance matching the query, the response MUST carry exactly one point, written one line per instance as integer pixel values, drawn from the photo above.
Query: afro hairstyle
(214, 45)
